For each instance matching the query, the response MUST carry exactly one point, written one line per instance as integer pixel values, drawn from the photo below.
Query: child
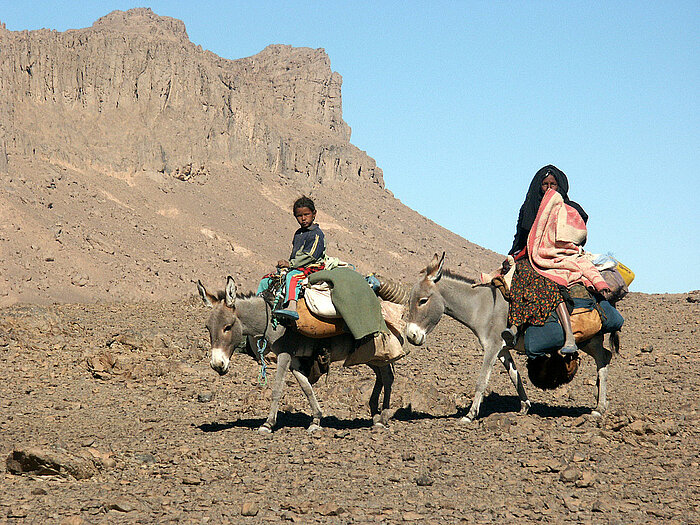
(308, 253)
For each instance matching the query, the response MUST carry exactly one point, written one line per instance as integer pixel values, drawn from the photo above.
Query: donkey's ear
(436, 265)
(208, 298)
(434, 269)
(230, 292)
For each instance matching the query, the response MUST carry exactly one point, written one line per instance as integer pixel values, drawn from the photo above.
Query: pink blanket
(554, 244)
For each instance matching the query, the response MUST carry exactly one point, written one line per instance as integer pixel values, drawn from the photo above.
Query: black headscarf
(528, 211)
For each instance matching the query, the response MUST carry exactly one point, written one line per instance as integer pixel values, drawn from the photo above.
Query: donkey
(236, 317)
(483, 310)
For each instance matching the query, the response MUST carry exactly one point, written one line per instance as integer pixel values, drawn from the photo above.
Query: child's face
(304, 216)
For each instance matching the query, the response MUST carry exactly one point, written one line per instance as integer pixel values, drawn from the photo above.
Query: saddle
(380, 349)
(315, 326)
(587, 319)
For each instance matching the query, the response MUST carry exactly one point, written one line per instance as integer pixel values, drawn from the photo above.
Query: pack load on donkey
(340, 300)
(591, 314)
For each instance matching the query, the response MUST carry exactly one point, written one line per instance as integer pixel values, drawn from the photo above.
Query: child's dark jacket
(308, 247)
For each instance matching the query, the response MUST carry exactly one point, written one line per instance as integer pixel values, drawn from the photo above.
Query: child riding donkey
(308, 254)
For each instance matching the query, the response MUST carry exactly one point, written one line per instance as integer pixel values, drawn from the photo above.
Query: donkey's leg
(507, 360)
(491, 351)
(602, 358)
(376, 391)
(387, 374)
(303, 381)
(283, 361)
(384, 381)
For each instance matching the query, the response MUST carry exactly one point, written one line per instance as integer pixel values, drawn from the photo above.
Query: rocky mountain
(133, 161)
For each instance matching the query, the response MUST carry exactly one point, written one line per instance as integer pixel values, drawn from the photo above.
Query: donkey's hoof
(466, 420)
(525, 408)
(378, 425)
(314, 428)
(596, 414)
(264, 429)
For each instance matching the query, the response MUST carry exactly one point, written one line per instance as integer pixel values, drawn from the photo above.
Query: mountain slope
(132, 162)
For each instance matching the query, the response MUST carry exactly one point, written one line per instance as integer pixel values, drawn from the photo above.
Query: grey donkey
(235, 317)
(483, 310)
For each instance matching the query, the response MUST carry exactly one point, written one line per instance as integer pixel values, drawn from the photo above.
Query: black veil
(528, 211)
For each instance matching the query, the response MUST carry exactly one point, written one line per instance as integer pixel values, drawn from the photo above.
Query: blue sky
(460, 103)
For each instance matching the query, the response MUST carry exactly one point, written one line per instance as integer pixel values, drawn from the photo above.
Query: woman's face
(549, 182)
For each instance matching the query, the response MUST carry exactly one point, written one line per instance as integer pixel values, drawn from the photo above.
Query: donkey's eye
(228, 327)
(422, 301)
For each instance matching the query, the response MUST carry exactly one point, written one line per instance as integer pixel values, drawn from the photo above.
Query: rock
(191, 480)
(428, 400)
(581, 420)
(105, 458)
(122, 505)
(146, 458)
(412, 516)
(569, 475)
(330, 509)
(424, 480)
(600, 505)
(249, 508)
(586, 479)
(572, 504)
(577, 457)
(599, 441)
(50, 462)
(499, 422)
(127, 338)
(637, 427)
(102, 365)
(79, 279)
(205, 397)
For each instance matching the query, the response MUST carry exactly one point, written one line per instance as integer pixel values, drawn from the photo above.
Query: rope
(262, 342)
(262, 375)
(279, 296)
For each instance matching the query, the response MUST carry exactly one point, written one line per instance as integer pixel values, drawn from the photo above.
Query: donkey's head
(225, 328)
(425, 305)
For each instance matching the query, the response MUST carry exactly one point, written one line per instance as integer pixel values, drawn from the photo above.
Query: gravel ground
(125, 392)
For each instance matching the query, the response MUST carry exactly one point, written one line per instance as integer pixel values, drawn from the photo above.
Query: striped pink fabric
(554, 244)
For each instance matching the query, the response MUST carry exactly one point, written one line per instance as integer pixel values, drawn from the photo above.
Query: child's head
(304, 211)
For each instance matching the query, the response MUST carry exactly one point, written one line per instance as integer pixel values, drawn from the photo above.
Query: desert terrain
(133, 163)
(128, 387)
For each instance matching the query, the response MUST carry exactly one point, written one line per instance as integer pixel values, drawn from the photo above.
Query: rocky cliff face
(132, 93)
(133, 162)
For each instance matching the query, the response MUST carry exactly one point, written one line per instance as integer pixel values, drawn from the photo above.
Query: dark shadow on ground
(495, 403)
(408, 414)
(542, 410)
(289, 420)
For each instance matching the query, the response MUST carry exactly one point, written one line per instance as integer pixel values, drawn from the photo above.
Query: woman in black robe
(533, 296)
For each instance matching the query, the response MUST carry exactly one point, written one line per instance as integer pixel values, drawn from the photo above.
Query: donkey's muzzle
(415, 334)
(219, 361)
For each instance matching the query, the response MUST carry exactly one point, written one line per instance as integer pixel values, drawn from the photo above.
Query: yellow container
(627, 274)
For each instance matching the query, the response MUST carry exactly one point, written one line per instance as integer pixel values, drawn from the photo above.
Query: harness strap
(262, 344)
(262, 376)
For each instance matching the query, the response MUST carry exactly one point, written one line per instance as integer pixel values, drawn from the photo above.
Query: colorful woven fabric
(533, 297)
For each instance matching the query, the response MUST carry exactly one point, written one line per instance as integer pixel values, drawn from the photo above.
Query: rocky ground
(122, 397)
